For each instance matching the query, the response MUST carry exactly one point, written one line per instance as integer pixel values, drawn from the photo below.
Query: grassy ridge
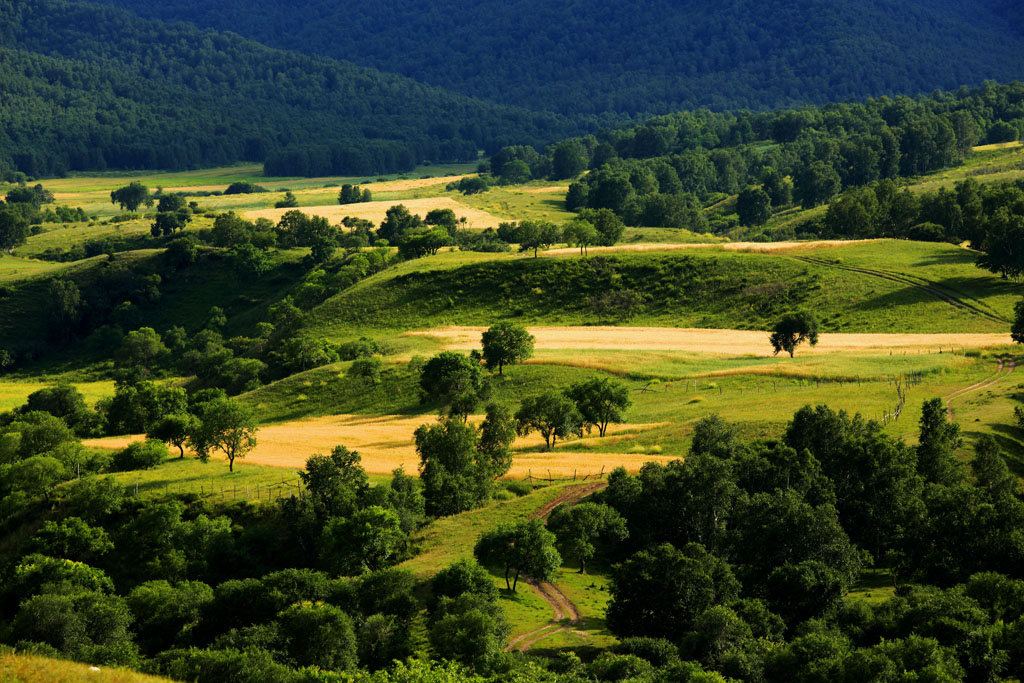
(709, 288)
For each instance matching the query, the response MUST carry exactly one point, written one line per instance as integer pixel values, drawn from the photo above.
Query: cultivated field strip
(949, 295)
(712, 341)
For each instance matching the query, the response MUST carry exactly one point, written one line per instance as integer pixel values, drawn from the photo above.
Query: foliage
(524, 547)
(452, 380)
(551, 414)
(506, 344)
(578, 527)
(600, 401)
(240, 97)
(793, 329)
(224, 424)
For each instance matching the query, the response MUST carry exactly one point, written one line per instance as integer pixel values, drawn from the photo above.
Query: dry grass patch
(719, 342)
(33, 669)
(385, 443)
(748, 247)
(375, 211)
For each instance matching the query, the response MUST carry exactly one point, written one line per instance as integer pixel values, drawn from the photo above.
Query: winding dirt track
(1003, 370)
(565, 614)
(951, 296)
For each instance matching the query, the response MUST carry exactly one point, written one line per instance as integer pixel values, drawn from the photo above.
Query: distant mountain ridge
(645, 56)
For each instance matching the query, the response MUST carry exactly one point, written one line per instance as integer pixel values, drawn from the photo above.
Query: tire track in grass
(950, 296)
(565, 614)
(1004, 369)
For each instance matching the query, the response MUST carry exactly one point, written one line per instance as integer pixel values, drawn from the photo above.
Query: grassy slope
(32, 669)
(703, 288)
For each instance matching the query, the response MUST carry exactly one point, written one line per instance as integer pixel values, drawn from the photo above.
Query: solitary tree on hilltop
(506, 344)
(792, 330)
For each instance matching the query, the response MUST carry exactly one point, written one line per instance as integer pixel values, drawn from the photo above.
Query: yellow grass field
(721, 342)
(33, 669)
(386, 443)
(375, 211)
(750, 247)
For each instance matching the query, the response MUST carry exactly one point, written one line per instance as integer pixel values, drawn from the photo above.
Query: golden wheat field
(719, 342)
(385, 443)
(476, 219)
(751, 247)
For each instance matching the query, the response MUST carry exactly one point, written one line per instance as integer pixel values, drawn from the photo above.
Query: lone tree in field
(551, 414)
(225, 424)
(1017, 331)
(525, 547)
(132, 196)
(506, 344)
(600, 402)
(792, 330)
(579, 526)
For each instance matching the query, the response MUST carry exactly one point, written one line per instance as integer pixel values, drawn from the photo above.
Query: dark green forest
(647, 57)
(90, 88)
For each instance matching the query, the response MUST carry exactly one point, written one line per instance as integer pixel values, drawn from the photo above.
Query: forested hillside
(651, 56)
(89, 88)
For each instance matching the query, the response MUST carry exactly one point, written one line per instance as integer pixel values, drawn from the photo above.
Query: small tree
(753, 206)
(600, 402)
(132, 196)
(578, 527)
(453, 380)
(142, 347)
(174, 429)
(524, 547)
(536, 235)
(1017, 331)
(580, 233)
(552, 414)
(225, 424)
(792, 330)
(506, 344)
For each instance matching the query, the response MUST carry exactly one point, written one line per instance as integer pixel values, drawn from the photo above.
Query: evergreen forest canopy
(91, 88)
(647, 57)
